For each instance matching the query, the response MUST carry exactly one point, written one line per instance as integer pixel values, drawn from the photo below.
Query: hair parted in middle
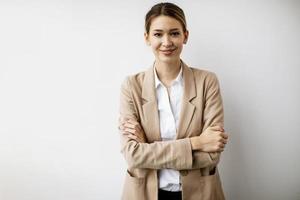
(166, 9)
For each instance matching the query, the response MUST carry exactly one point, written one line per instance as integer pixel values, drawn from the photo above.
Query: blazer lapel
(150, 110)
(187, 108)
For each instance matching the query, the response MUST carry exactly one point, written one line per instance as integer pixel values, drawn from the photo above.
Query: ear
(186, 36)
(146, 37)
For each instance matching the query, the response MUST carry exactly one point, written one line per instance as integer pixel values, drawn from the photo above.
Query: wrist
(195, 143)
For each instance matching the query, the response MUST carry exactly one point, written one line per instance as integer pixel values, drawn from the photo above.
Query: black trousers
(166, 195)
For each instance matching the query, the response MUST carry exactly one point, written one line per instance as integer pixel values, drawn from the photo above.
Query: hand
(132, 129)
(213, 139)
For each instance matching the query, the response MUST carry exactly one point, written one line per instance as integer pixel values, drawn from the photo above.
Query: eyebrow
(159, 30)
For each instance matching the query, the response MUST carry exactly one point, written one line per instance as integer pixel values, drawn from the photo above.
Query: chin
(168, 58)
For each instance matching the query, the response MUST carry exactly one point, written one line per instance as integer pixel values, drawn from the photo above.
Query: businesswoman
(171, 119)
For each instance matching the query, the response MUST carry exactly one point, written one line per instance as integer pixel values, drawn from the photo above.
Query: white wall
(61, 65)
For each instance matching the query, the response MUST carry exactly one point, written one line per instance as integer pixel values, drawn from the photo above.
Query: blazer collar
(149, 91)
(150, 106)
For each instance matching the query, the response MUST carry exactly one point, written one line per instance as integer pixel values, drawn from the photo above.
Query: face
(166, 38)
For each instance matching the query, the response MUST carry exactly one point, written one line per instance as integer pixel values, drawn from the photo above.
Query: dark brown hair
(167, 9)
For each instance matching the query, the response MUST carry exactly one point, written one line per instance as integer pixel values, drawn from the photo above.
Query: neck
(167, 72)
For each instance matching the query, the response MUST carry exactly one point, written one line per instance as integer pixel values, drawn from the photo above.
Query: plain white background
(61, 66)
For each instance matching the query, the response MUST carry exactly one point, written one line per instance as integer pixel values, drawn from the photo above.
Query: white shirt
(169, 110)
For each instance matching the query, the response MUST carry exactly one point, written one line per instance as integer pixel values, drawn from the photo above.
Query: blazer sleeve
(213, 115)
(176, 154)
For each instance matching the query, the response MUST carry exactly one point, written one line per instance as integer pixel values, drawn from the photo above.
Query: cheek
(155, 45)
(178, 44)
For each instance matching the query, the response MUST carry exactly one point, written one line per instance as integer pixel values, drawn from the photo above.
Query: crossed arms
(187, 153)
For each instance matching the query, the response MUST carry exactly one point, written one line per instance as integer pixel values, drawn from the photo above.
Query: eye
(157, 34)
(175, 33)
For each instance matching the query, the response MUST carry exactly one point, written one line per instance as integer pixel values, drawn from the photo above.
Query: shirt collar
(179, 77)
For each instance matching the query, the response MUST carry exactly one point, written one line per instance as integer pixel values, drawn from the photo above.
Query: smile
(167, 52)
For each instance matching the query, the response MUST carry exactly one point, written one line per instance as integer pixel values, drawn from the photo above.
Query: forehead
(164, 23)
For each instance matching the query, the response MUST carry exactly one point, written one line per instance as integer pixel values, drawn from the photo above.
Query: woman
(171, 119)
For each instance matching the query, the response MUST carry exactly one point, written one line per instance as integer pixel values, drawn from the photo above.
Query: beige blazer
(201, 108)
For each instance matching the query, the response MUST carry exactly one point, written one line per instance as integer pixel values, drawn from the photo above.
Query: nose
(166, 41)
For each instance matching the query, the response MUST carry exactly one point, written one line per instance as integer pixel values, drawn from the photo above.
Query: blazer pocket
(131, 178)
(209, 179)
(211, 186)
(134, 187)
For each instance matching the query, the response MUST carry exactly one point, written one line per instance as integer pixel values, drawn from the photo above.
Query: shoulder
(134, 80)
(137, 78)
(205, 80)
(202, 75)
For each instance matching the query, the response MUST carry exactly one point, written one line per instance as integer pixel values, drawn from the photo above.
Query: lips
(167, 51)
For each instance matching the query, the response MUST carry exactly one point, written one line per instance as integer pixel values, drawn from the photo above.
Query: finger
(220, 148)
(129, 125)
(122, 122)
(137, 139)
(124, 119)
(123, 132)
(121, 127)
(224, 135)
(217, 128)
(124, 127)
(222, 145)
(133, 126)
(132, 137)
(126, 133)
(132, 121)
(130, 130)
(219, 133)
(224, 141)
(134, 132)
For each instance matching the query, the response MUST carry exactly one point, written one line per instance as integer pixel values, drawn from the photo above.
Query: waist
(169, 180)
(163, 194)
